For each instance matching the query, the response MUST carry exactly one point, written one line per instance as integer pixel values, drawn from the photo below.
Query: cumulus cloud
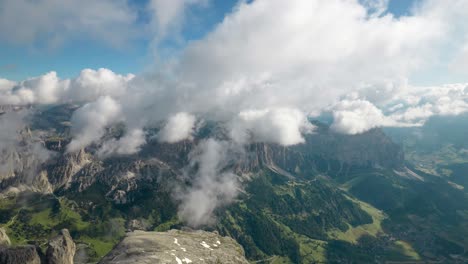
(420, 103)
(178, 127)
(294, 59)
(306, 63)
(91, 84)
(44, 89)
(354, 117)
(283, 126)
(90, 121)
(408, 106)
(261, 71)
(50, 89)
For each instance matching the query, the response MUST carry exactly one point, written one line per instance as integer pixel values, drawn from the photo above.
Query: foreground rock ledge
(61, 250)
(176, 246)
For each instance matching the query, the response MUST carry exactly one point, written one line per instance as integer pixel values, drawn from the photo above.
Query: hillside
(336, 198)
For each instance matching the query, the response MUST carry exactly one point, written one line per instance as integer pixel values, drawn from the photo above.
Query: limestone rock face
(175, 246)
(61, 249)
(4, 239)
(20, 255)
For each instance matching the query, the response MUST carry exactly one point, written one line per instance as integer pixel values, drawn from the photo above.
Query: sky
(22, 59)
(259, 61)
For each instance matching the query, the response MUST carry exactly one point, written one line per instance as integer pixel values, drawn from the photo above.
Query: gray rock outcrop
(176, 246)
(20, 255)
(4, 239)
(61, 249)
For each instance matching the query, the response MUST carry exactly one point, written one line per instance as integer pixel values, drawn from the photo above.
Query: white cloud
(212, 186)
(307, 63)
(415, 114)
(44, 89)
(428, 101)
(261, 70)
(92, 84)
(6, 85)
(291, 58)
(168, 16)
(442, 65)
(178, 127)
(404, 106)
(354, 117)
(52, 22)
(460, 62)
(283, 126)
(117, 23)
(130, 143)
(90, 121)
(49, 88)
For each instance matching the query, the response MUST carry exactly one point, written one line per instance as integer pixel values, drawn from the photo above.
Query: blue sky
(20, 61)
(270, 62)
(400, 7)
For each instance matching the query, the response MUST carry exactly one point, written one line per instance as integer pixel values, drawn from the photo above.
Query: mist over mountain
(332, 197)
(435, 133)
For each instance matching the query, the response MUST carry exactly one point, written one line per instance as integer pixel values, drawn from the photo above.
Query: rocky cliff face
(20, 255)
(21, 164)
(63, 169)
(326, 152)
(4, 239)
(323, 152)
(176, 246)
(61, 249)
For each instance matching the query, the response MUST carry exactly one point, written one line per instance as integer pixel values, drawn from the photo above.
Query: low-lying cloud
(178, 127)
(213, 184)
(21, 152)
(130, 143)
(284, 126)
(91, 120)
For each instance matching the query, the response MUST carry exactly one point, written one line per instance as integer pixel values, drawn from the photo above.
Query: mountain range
(366, 198)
